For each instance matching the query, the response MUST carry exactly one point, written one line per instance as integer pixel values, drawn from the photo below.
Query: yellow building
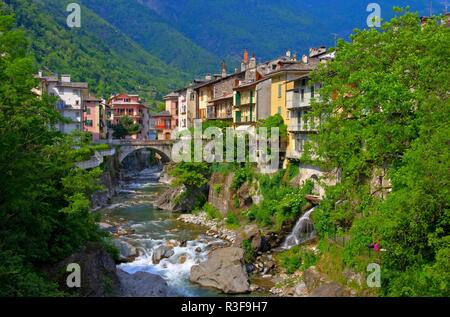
(205, 94)
(283, 80)
(244, 105)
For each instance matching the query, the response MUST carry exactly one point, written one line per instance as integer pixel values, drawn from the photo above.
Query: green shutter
(238, 116)
(251, 105)
(238, 98)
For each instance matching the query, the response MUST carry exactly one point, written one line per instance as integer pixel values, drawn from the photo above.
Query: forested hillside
(270, 27)
(156, 35)
(97, 52)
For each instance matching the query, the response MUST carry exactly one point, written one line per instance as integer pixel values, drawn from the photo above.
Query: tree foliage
(44, 200)
(385, 106)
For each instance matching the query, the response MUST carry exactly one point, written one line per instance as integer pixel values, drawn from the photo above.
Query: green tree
(125, 127)
(44, 200)
(385, 105)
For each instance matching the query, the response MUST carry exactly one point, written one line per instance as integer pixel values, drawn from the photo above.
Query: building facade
(70, 96)
(161, 126)
(127, 105)
(171, 101)
(95, 117)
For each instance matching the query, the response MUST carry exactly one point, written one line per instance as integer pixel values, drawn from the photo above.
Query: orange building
(127, 105)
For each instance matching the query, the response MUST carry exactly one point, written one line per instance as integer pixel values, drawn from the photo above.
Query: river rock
(98, 272)
(182, 259)
(176, 199)
(143, 284)
(126, 251)
(313, 278)
(249, 232)
(224, 270)
(161, 252)
(330, 289)
(300, 290)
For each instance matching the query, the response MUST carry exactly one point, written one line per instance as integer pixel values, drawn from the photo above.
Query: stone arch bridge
(125, 147)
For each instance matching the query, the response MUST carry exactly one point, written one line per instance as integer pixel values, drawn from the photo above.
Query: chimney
(288, 53)
(294, 57)
(304, 59)
(40, 74)
(224, 70)
(245, 58)
(252, 63)
(208, 77)
(65, 78)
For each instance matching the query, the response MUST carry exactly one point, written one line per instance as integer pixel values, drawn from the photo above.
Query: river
(150, 227)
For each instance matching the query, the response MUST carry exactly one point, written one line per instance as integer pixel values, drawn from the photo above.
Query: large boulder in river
(143, 284)
(224, 270)
(97, 272)
(127, 252)
(162, 252)
(179, 200)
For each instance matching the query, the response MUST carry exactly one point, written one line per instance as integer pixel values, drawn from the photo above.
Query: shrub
(211, 211)
(249, 253)
(217, 188)
(232, 220)
(297, 258)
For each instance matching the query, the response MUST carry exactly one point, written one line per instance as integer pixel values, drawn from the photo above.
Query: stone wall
(220, 194)
(320, 178)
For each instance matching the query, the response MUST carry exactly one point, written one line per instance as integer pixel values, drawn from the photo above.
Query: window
(312, 91)
(279, 90)
(238, 98)
(302, 95)
(88, 123)
(88, 111)
(238, 116)
(192, 96)
(279, 110)
(304, 82)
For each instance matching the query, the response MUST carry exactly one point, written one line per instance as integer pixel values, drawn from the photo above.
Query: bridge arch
(164, 154)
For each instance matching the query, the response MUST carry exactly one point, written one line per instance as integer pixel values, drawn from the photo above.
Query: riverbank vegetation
(44, 200)
(385, 116)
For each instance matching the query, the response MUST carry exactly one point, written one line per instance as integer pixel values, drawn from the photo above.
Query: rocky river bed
(192, 255)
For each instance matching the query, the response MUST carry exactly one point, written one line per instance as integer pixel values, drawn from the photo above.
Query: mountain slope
(155, 35)
(269, 27)
(96, 52)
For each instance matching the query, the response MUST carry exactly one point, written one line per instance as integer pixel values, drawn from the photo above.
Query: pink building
(94, 117)
(131, 106)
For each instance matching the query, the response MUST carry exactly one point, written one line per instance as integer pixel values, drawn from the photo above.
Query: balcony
(162, 127)
(295, 102)
(300, 127)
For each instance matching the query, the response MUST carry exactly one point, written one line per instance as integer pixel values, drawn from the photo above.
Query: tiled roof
(173, 94)
(92, 98)
(162, 114)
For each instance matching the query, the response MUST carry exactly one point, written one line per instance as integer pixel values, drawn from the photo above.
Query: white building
(187, 102)
(70, 96)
